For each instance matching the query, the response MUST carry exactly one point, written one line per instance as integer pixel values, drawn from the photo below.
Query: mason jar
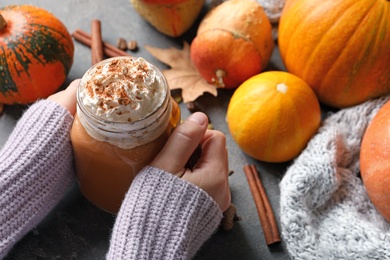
(109, 151)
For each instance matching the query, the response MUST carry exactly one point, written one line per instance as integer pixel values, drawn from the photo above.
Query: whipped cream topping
(122, 89)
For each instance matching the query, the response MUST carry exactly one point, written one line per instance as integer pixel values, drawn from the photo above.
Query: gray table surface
(78, 230)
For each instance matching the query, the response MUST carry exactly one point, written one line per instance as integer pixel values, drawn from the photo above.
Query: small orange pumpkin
(339, 47)
(273, 115)
(375, 160)
(36, 54)
(233, 43)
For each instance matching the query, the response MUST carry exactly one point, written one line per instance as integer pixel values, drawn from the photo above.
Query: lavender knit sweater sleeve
(163, 217)
(36, 169)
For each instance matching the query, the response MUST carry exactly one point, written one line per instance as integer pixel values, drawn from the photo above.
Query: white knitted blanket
(325, 211)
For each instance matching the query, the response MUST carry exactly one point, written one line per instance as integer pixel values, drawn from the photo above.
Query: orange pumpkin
(339, 47)
(36, 54)
(375, 160)
(233, 43)
(273, 115)
(170, 17)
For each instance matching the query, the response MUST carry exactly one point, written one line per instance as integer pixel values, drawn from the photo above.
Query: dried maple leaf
(182, 74)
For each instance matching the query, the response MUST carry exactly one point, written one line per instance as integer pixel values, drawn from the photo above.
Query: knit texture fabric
(163, 217)
(36, 169)
(325, 210)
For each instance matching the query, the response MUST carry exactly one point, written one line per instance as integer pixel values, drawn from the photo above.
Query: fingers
(211, 172)
(214, 152)
(67, 97)
(181, 144)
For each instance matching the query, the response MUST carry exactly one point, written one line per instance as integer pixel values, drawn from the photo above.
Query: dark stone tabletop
(76, 229)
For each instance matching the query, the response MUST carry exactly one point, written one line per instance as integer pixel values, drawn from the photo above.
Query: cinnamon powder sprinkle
(109, 89)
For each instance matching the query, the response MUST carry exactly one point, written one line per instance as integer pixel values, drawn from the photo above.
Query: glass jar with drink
(125, 115)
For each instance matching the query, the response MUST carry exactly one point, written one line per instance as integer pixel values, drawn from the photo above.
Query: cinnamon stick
(264, 209)
(108, 49)
(96, 42)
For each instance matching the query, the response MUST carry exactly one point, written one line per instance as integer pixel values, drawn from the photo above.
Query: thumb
(67, 97)
(181, 144)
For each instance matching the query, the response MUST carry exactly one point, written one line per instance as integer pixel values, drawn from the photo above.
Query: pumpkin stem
(3, 22)
(281, 87)
(219, 82)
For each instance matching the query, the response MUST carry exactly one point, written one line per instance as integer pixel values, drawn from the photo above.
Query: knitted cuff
(325, 211)
(36, 170)
(163, 217)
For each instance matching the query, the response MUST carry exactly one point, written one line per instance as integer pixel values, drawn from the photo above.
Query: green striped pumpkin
(36, 54)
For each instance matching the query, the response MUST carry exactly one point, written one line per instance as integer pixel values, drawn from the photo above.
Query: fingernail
(199, 118)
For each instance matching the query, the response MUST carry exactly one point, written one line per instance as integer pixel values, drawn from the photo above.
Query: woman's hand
(211, 171)
(67, 97)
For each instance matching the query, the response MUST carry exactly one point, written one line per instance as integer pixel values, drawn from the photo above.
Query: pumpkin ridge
(275, 124)
(295, 29)
(299, 121)
(23, 62)
(56, 47)
(6, 82)
(385, 10)
(243, 121)
(289, 107)
(378, 41)
(357, 66)
(64, 35)
(319, 45)
(246, 118)
(343, 50)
